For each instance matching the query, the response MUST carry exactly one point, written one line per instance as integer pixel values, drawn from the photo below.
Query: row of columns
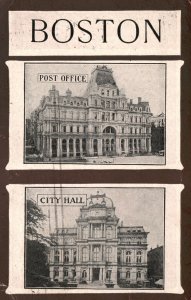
(46, 147)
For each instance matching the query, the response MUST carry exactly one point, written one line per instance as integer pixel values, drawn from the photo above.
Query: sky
(136, 80)
(134, 206)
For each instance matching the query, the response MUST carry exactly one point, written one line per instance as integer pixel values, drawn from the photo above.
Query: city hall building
(102, 122)
(99, 249)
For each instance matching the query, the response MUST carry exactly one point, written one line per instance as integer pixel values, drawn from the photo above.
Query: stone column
(74, 147)
(133, 148)
(103, 274)
(61, 274)
(91, 253)
(50, 147)
(51, 273)
(81, 150)
(118, 147)
(137, 141)
(104, 231)
(103, 253)
(99, 147)
(90, 274)
(149, 150)
(114, 274)
(59, 150)
(143, 145)
(100, 274)
(67, 147)
(126, 146)
(90, 147)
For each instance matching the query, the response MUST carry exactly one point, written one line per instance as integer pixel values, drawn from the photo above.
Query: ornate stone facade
(102, 122)
(99, 249)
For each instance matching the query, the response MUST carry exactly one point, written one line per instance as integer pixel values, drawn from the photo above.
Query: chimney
(139, 100)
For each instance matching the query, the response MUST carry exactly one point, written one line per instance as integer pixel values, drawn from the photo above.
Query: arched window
(97, 231)
(109, 232)
(96, 254)
(109, 129)
(84, 274)
(122, 145)
(74, 256)
(107, 104)
(139, 257)
(65, 272)
(66, 256)
(128, 256)
(119, 257)
(128, 274)
(109, 254)
(85, 232)
(84, 254)
(56, 256)
(56, 272)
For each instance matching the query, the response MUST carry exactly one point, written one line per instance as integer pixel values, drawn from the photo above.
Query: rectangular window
(95, 130)
(71, 129)
(85, 129)
(78, 129)
(56, 271)
(54, 128)
(64, 128)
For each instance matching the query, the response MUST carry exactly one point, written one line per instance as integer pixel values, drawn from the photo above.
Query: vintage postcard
(95, 115)
(94, 238)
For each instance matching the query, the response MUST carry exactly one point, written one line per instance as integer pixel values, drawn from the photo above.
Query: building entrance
(109, 141)
(96, 272)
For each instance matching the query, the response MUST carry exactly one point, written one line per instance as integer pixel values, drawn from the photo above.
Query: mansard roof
(104, 76)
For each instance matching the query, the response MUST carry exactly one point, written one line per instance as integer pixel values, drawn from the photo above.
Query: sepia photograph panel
(95, 114)
(94, 238)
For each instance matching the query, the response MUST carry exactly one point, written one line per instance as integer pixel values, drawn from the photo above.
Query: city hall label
(43, 199)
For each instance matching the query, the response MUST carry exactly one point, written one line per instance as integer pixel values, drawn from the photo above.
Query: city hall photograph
(94, 238)
(95, 113)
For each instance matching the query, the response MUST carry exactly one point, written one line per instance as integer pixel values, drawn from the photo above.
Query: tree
(35, 217)
(37, 270)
